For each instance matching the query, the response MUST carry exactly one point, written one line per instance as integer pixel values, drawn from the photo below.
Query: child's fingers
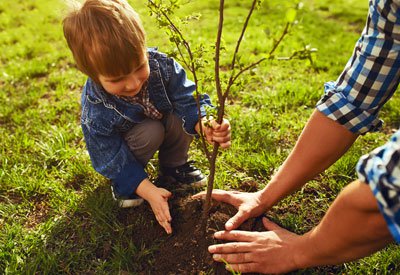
(224, 134)
(161, 211)
(165, 193)
(165, 208)
(165, 215)
(225, 145)
(222, 139)
(208, 134)
(225, 126)
(218, 133)
(213, 125)
(167, 227)
(165, 224)
(164, 219)
(208, 131)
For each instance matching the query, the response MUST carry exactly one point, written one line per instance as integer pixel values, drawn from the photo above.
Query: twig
(157, 9)
(221, 101)
(270, 56)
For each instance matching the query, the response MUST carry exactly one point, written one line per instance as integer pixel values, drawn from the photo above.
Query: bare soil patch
(185, 250)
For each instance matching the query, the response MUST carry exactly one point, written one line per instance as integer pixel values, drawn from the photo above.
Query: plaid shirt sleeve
(371, 75)
(381, 170)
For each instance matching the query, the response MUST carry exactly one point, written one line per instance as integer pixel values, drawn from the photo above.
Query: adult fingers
(234, 258)
(217, 194)
(200, 195)
(269, 225)
(229, 248)
(234, 222)
(231, 198)
(237, 236)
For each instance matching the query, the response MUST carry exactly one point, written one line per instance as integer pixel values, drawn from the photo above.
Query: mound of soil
(185, 250)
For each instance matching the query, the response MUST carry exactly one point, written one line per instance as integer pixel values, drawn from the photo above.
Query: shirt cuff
(335, 105)
(380, 169)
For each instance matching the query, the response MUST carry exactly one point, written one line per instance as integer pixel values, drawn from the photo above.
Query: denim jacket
(105, 118)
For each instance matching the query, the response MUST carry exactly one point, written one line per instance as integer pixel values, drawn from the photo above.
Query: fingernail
(216, 257)
(217, 234)
(211, 249)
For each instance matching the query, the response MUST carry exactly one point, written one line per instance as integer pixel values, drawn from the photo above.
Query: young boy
(135, 101)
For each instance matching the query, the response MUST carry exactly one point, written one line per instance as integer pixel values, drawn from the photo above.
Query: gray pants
(166, 135)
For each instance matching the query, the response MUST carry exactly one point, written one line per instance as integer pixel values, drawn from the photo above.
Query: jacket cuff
(128, 180)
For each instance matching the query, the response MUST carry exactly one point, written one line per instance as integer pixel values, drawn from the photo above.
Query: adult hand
(274, 251)
(249, 205)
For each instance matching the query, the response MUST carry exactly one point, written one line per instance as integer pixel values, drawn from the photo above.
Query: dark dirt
(185, 250)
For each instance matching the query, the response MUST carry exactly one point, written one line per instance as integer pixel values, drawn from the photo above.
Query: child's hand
(158, 200)
(220, 133)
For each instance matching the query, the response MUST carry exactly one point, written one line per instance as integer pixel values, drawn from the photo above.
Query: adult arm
(350, 106)
(352, 228)
(321, 143)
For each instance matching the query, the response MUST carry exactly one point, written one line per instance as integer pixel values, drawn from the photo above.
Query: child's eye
(116, 80)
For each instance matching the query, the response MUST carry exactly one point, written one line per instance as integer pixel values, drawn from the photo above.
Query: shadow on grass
(91, 239)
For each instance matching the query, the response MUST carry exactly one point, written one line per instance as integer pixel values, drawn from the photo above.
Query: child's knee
(147, 136)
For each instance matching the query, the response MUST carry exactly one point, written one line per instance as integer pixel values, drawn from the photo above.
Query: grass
(56, 213)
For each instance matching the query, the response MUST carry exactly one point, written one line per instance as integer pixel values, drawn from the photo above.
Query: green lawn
(56, 212)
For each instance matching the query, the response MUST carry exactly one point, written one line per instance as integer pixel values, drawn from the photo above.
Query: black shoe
(186, 174)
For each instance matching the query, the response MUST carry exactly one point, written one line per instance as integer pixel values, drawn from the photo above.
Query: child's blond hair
(106, 37)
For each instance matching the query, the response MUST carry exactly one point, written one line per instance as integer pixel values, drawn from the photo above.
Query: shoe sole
(130, 203)
(126, 203)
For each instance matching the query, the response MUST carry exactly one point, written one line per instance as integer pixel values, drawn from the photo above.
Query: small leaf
(290, 15)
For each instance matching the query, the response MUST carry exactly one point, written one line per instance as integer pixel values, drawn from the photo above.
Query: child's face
(127, 85)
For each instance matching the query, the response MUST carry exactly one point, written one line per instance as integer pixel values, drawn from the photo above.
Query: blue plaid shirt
(368, 81)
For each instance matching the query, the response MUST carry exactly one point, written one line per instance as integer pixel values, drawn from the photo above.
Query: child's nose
(133, 84)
